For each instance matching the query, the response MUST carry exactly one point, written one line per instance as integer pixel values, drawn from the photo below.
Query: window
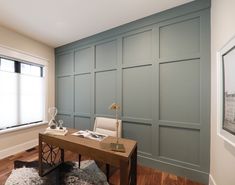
(22, 93)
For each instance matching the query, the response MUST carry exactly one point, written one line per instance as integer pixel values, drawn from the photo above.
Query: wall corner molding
(211, 180)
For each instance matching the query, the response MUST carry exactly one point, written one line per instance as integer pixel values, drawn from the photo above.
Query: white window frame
(225, 135)
(19, 55)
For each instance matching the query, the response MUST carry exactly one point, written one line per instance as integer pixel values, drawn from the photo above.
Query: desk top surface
(92, 145)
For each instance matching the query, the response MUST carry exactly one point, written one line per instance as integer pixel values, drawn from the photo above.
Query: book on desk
(90, 135)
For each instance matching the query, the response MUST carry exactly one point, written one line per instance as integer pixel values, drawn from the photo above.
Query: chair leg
(107, 171)
(79, 160)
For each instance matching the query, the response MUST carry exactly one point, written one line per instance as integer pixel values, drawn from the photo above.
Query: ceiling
(58, 22)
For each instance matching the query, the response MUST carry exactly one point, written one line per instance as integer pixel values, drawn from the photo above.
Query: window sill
(22, 127)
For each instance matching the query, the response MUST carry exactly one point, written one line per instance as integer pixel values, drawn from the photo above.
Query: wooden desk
(51, 153)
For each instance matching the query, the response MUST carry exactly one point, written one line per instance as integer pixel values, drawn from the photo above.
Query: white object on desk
(56, 131)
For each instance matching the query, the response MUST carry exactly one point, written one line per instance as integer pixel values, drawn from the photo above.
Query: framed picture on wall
(226, 92)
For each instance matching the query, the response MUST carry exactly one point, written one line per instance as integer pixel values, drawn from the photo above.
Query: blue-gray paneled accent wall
(158, 70)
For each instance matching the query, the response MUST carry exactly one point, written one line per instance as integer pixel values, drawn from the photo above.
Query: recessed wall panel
(180, 144)
(82, 93)
(137, 92)
(137, 47)
(178, 39)
(141, 133)
(65, 94)
(105, 92)
(180, 91)
(82, 123)
(106, 55)
(64, 64)
(83, 60)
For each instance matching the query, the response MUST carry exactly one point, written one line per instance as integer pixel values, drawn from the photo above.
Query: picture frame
(226, 92)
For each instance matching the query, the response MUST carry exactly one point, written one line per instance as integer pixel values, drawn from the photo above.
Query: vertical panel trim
(92, 93)
(205, 90)
(119, 73)
(155, 91)
(73, 101)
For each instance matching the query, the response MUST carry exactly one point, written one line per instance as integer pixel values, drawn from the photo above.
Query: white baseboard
(211, 180)
(18, 148)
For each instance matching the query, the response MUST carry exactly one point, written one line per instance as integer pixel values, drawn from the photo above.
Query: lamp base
(117, 147)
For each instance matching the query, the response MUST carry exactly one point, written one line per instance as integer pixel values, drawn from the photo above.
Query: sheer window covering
(22, 93)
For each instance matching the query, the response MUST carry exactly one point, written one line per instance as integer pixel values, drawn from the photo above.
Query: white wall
(17, 140)
(222, 167)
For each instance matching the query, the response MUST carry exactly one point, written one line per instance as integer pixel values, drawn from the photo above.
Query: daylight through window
(22, 93)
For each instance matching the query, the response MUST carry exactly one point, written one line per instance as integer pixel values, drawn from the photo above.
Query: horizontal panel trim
(64, 114)
(64, 75)
(128, 120)
(105, 41)
(179, 20)
(194, 126)
(82, 73)
(137, 31)
(138, 64)
(179, 59)
(145, 153)
(137, 121)
(84, 115)
(81, 48)
(105, 70)
(103, 115)
(190, 165)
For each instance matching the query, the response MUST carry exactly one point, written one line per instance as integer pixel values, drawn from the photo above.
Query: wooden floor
(145, 176)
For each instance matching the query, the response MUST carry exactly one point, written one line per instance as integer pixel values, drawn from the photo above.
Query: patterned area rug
(26, 173)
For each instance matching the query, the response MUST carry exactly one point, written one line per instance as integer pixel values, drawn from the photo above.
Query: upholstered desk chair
(106, 126)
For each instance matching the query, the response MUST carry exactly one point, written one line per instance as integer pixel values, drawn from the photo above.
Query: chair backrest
(107, 126)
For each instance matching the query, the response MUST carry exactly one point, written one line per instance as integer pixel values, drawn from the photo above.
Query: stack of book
(56, 131)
